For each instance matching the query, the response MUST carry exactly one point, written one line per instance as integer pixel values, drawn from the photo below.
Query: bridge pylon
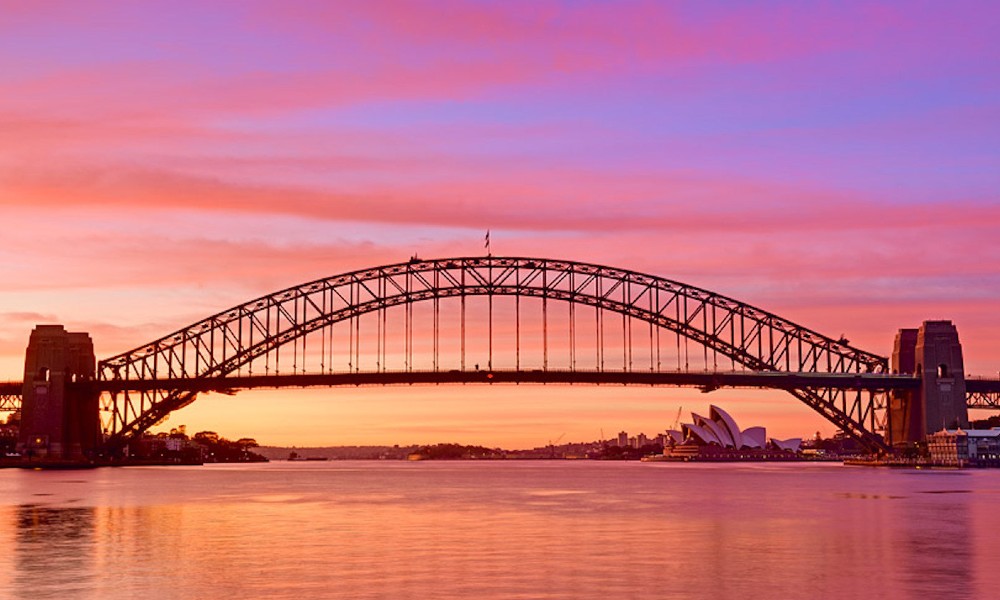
(934, 354)
(59, 422)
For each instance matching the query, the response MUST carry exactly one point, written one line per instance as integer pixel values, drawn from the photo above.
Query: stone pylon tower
(934, 354)
(59, 419)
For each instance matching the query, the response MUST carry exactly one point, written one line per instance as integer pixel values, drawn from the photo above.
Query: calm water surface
(528, 529)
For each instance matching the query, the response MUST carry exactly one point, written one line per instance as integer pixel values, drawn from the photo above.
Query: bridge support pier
(934, 354)
(59, 422)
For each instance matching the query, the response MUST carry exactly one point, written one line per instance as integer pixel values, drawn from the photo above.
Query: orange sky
(162, 161)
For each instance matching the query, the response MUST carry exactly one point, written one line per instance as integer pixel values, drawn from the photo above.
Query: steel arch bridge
(142, 386)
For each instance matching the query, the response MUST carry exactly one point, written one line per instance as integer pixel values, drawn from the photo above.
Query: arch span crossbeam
(226, 343)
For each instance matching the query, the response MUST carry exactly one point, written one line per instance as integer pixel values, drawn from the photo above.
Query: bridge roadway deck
(706, 381)
(982, 393)
(982, 386)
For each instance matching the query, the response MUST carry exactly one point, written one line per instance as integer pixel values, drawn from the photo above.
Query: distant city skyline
(837, 165)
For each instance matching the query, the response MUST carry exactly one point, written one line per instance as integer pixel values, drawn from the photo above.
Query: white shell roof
(722, 416)
(791, 444)
(703, 434)
(720, 431)
(754, 437)
(677, 436)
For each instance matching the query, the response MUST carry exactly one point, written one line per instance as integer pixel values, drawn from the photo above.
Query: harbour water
(500, 529)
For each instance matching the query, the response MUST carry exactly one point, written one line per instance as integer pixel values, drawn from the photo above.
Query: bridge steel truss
(983, 393)
(10, 402)
(987, 400)
(10, 396)
(228, 342)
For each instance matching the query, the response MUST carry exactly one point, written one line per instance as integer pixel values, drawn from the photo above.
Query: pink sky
(161, 161)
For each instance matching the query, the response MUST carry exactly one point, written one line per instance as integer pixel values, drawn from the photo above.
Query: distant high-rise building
(641, 440)
(622, 439)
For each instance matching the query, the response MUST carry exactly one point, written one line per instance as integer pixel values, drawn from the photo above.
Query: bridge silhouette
(496, 320)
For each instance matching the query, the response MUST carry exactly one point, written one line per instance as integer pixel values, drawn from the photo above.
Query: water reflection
(502, 530)
(53, 551)
(935, 542)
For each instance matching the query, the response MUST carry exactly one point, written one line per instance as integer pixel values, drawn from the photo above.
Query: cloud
(569, 201)
(320, 57)
(27, 317)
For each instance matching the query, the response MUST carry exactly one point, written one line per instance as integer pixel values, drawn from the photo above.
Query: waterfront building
(622, 439)
(965, 447)
(718, 437)
(167, 448)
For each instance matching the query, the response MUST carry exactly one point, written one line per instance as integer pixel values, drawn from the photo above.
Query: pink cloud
(27, 317)
(408, 51)
(111, 186)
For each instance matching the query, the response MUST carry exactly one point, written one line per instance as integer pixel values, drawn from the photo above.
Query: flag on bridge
(487, 242)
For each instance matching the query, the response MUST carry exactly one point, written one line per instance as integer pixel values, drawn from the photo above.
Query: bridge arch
(230, 340)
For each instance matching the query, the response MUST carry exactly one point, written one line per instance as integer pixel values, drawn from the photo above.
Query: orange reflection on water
(531, 529)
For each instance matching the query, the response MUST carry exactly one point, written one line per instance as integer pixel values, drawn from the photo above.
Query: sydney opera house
(718, 437)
